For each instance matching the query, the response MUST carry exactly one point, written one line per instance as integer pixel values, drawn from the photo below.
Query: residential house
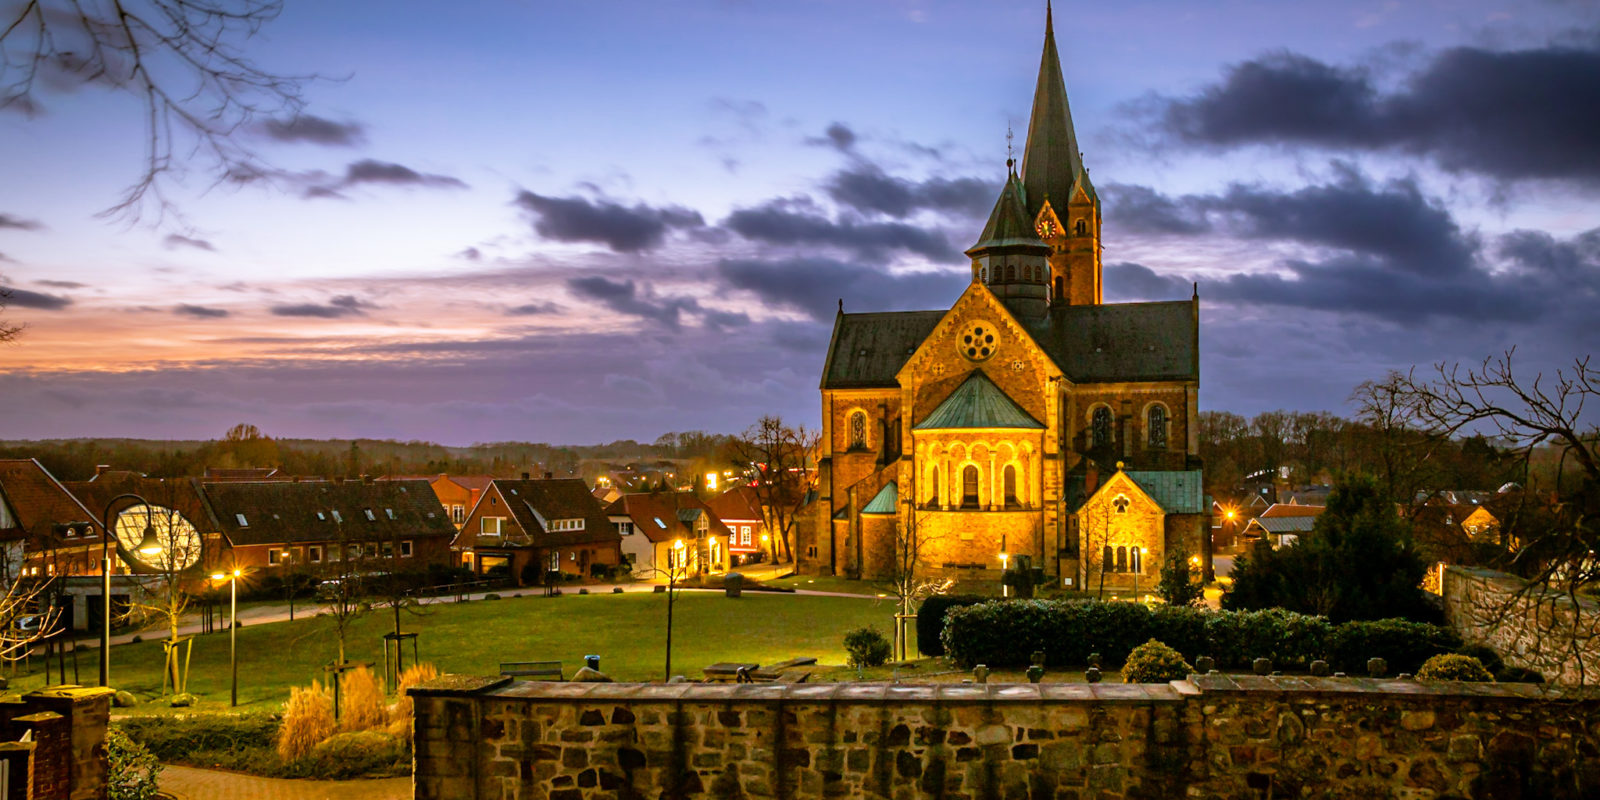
(739, 509)
(521, 529)
(457, 493)
(174, 508)
(277, 525)
(1282, 524)
(58, 534)
(672, 531)
(249, 474)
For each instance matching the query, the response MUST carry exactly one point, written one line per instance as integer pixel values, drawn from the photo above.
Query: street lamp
(148, 545)
(233, 630)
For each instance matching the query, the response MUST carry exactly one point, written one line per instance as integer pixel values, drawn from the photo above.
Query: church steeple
(1063, 204)
(1052, 166)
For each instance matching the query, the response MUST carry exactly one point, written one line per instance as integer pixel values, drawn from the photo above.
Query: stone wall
(1530, 627)
(1207, 737)
(67, 726)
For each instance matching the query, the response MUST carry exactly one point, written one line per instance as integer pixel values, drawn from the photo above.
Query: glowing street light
(233, 630)
(771, 553)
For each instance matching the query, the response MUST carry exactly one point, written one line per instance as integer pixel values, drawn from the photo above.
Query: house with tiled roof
(45, 526)
(175, 506)
(523, 529)
(1282, 523)
(457, 493)
(671, 531)
(281, 525)
(739, 509)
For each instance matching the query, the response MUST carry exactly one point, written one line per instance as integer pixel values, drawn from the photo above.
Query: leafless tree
(27, 597)
(1558, 557)
(182, 59)
(781, 456)
(905, 579)
(164, 596)
(674, 572)
(1400, 444)
(342, 593)
(8, 332)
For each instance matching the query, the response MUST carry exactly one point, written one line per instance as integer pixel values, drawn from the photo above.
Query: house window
(1107, 564)
(1100, 427)
(272, 558)
(969, 487)
(567, 525)
(555, 560)
(458, 514)
(314, 554)
(1157, 427)
(1011, 486)
(811, 551)
(371, 517)
(858, 430)
(702, 524)
(243, 523)
(352, 552)
(372, 550)
(625, 528)
(744, 534)
(405, 549)
(388, 549)
(489, 526)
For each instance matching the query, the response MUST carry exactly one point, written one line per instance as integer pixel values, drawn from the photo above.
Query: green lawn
(827, 583)
(627, 631)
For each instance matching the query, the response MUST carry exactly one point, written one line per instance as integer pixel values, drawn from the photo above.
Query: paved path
(188, 783)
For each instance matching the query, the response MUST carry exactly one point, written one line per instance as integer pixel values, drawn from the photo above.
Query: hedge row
(930, 619)
(1007, 633)
(173, 738)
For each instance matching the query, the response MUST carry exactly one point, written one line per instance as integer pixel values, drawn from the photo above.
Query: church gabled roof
(1051, 162)
(869, 349)
(1010, 224)
(886, 501)
(1176, 491)
(978, 403)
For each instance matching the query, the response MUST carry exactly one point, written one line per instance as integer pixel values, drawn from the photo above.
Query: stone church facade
(1030, 424)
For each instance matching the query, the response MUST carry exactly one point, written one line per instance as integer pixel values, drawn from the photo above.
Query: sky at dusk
(580, 222)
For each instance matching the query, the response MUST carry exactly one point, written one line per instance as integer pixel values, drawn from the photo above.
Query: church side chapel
(1031, 425)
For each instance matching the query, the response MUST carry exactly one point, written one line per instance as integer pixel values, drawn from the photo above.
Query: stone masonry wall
(1529, 627)
(1207, 737)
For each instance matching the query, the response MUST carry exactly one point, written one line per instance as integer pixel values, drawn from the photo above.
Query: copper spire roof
(1051, 162)
(1010, 224)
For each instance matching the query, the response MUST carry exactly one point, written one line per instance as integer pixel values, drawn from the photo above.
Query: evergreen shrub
(132, 771)
(1454, 667)
(931, 615)
(867, 647)
(1154, 662)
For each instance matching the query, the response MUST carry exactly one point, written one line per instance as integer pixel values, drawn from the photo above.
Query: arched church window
(1011, 272)
(1122, 559)
(969, 487)
(1106, 562)
(1083, 228)
(1061, 287)
(858, 430)
(933, 488)
(1157, 427)
(1011, 486)
(1100, 427)
(1136, 560)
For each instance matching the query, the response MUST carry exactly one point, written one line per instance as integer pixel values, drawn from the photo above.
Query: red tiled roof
(740, 502)
(555, 498)
(1291, 510)
(661, 516)
(38, 500)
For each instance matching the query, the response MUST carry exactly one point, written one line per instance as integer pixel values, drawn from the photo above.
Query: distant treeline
(245, 446)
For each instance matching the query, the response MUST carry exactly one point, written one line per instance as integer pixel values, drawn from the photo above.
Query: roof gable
(990, 307)
(1176, 491)
(978, 403)
(868, 350)
(39, 501)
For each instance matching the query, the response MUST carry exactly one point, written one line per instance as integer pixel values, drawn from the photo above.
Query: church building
(1031, 425)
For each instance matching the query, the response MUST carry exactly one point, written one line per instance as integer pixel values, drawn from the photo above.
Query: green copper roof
(1051, 162)
(978, 403)
(1177, 492)
(887, 501)
(1010, 224)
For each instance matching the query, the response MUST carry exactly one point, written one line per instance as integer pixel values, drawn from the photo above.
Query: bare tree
(1402, 445)
(1558, 556)
(8, 332)
(164, 598)
(905, 579)
(24, 598)
(180, 58)
(674, 573)
(780, 456)
(342, 592)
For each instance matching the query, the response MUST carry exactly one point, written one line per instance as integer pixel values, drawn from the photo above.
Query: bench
(728, 671)
(774, 672)
(535, 670)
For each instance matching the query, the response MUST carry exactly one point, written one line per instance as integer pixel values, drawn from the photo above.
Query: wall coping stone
(1175, 692)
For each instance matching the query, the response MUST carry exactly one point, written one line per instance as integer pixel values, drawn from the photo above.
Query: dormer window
(336, 517)
(371, 517)
(322, 516)
(243, 523)
(389, 512)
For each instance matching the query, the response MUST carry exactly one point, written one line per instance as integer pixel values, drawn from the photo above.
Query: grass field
(627, 631)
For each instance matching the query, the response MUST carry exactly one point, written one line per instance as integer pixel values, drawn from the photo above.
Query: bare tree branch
(179, 58)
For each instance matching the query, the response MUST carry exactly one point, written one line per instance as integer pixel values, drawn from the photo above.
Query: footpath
(188, 783)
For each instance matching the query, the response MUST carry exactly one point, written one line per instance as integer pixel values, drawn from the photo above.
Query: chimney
(526, 476)
(549, 476)
(101, 469)
(366, 479)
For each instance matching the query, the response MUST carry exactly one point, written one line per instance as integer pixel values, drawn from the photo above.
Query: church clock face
(979, 341)
(1047, 228)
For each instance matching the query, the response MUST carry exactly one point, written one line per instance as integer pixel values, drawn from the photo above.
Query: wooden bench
(774, 672)
(535, 670)
(727, 671)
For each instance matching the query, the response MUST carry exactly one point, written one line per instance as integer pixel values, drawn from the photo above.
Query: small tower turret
(1010, 258)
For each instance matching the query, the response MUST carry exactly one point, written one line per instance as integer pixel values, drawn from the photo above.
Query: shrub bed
(174, 738)
(1006, 633)
(930, 619)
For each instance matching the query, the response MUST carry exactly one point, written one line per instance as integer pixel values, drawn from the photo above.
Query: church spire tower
(1062, 201)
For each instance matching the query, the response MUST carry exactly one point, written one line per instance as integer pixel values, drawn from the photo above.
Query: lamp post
(233, 630)
(148, 545)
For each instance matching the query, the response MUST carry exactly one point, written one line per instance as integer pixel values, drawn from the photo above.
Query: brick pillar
(87, 712)
(52, 754)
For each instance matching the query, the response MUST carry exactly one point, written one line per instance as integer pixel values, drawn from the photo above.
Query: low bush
(491, 596)
(132, 771)
(1006, 633)
(1454, 667)
(1154, 662)
(930, 619)
(362, 703)
(174, 738)
(354, 754)
(867, 647)
(307, 720)
(400, 714)
(1405, 645)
